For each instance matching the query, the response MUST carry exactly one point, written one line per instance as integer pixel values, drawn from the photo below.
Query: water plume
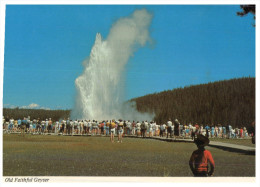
(100, 88)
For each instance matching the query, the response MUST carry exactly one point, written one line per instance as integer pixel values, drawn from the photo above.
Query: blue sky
(192, 44)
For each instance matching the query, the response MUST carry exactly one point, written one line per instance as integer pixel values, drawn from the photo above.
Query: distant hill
(224, 102)
(17, 113)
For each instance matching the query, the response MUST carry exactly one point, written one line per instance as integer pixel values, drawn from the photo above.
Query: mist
(101, 86)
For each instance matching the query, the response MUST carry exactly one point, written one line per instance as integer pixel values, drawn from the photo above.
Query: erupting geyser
(101, 86)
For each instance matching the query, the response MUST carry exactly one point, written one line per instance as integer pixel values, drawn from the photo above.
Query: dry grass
(38, 155)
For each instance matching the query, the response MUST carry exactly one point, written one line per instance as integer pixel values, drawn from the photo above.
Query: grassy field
(39, 155)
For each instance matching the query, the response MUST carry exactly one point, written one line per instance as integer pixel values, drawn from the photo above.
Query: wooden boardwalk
(216, 144)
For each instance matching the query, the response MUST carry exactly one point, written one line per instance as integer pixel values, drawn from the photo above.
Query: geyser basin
(101, 86)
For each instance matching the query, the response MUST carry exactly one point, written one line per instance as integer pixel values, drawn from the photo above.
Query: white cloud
(30, 106)
(33, 105)
(45, 108)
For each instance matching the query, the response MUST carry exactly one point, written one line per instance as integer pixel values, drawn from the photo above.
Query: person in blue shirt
(207, 130)
(161, 130)
(23, 126)
(11, 125)
(107, 127)
(212, 131)
(224, 132)
(19, 122)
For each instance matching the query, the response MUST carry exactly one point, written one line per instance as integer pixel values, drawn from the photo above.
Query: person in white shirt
(94, 127)
(75, 127)
(165, 129)
(146, 127)
(193, 132)
(57, 127)
(133, 128)
(3, 122)
(46, 125)
(169, 128)
(42, 126)
(89, 127)
(129, 127)
(63, 125)
(72, 127)
(138, 128)
(150, 129)
(153, 128)
(190, 126)
(233, 135)
(31, 127)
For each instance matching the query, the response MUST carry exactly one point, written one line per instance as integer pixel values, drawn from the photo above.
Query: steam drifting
(100, 89)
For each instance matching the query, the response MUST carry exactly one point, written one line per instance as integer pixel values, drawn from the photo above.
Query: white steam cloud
(100, 89)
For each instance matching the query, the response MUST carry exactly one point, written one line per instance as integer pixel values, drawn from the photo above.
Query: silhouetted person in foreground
(201, 159)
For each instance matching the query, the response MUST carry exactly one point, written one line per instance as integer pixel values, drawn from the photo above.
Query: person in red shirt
(241, 133)
(201, 158)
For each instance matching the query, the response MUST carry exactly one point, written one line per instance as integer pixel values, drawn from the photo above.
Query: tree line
(223, 102)
(19, 113)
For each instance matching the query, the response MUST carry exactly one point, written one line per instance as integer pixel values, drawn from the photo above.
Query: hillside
(224, 102)
(17, 113)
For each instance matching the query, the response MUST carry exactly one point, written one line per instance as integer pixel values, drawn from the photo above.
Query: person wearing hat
(201, 158)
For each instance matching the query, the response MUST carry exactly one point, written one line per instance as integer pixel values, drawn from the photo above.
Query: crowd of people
(199, 159)
(170, 129)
